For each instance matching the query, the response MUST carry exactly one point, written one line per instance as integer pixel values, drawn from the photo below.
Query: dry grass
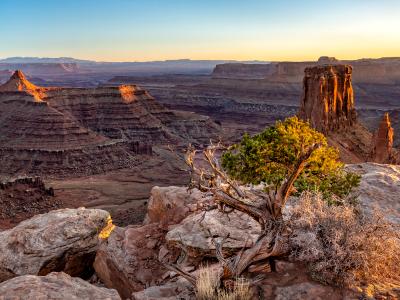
(342, 245)
(206, 283)
(207, 287)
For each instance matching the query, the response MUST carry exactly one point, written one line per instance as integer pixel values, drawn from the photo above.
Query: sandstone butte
(328, 103)
(66, 131)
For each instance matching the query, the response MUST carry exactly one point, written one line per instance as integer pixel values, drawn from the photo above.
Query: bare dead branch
(175, 268)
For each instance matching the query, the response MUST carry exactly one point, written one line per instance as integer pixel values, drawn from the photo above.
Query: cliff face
(19, 83)
(328, 104)
(241, 70)
(76, 131)
(328, 100)
(382, 151)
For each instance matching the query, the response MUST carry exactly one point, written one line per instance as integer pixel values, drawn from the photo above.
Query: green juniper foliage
(269, 156)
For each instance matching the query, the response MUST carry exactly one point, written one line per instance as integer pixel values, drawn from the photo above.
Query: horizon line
(193, 59)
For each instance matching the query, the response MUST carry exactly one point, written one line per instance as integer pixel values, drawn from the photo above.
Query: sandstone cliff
(19, 83)
(328, 104)
(242, 70)
(381, 71)
(328, 100)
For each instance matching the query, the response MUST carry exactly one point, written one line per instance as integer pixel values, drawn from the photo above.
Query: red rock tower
(382, 151)
(328, 100)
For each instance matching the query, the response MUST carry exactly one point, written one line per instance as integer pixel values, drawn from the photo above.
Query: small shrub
(271, 155)
(342, 245)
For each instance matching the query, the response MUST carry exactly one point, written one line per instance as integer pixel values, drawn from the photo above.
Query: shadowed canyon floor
(124, 193)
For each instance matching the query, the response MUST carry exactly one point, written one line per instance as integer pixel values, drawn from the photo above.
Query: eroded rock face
(53, 286)
(170, 205)
(193, 233)
(18, 82)
(61, 240)
(128, 259)
(382, 151)
(328, 101)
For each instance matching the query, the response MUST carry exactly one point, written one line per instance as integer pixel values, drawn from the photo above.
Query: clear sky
(133, 30)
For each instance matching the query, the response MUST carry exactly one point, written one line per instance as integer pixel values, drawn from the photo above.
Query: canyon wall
(79, 131)
(372, 71)
(241, 70)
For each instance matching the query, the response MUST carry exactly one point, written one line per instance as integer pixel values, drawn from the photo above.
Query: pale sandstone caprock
(61, 240)
(170, 205)
(379, 188)
(193, 233)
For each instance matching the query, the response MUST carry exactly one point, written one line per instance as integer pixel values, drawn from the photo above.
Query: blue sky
(131, 30)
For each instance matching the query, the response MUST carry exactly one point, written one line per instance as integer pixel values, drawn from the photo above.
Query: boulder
(193, 233)
(128, 259)
(53, 286)
(379, 188)
(61, 240)
(170, 205)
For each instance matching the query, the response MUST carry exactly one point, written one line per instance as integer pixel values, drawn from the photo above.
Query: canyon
(263, 93)
(113, 141)
(80, 140)
(117, 150)
(232, 92)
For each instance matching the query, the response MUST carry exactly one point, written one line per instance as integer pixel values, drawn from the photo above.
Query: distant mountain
(44, 66)
(30, 60)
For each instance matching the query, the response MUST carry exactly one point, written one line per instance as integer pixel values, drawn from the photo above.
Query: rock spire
(382, 151)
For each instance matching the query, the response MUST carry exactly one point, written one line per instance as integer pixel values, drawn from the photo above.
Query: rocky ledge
(23, 198)
(133, 261)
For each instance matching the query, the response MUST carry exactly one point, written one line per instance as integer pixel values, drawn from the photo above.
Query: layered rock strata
(19, 83)
(78, 131)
